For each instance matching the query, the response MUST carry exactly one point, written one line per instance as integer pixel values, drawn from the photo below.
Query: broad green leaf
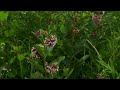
(41, 68)
(103, 63)
(61, 59)
(11, 75)
(57, 61)
(9, 32)
(21, 57)
(50, 54)
(118, 76)
(49, 49)
(17, 48)
(65, 70)
(77, 67)
(40, 48)
(37, 75)
(38, 66)
(3, 16)
(62, 28)
(70, 72)
(84, 58)
(12, 60)
(6, 33)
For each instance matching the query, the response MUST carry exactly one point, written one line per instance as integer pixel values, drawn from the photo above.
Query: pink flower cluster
(51, 41)
(100, 12)
(35, 53)
(76, 30)
(37, 33)
(51, 68)
(97, 17)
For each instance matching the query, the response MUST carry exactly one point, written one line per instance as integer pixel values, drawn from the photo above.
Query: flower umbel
(93, 34)
(76, 30)
(51, 68)
(37, 33)
(96, 19)
(51, 42)
(36, 54)
(100, 12)
(45, 32)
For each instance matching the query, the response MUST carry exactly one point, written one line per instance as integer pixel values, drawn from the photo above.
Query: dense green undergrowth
(59, 45)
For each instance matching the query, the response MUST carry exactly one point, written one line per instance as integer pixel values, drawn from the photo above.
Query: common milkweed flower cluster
(50, 42)
(35, 53)
(51, 68)
(93, 34)
(100, 13)
(101, 76)
(97, 17)
(39, 33)
(76, 30)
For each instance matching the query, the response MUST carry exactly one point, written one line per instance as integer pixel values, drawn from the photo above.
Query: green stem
(99, 56)
(31, 69)
(21, 69)
(84, 49)
(22, 43)
(44, 67)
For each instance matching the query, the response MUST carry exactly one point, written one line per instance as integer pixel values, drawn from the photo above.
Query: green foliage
(59, 45)
(3, 16)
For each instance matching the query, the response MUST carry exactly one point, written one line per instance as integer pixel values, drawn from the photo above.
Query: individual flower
(51, 68)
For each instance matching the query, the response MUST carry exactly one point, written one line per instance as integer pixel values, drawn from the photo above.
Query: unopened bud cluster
(76, 31)
(37, 33)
